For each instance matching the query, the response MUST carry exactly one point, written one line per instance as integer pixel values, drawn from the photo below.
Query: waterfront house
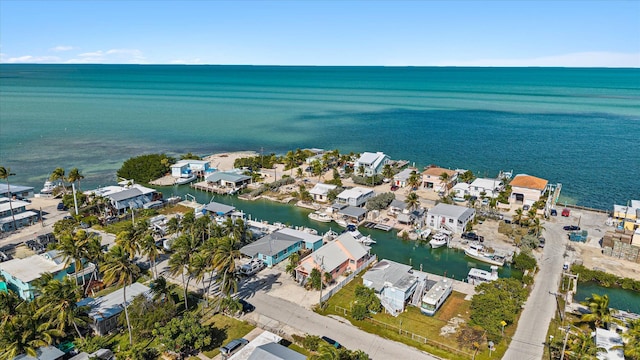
(526, 189)
(401, 179)
(43, 353)
(627, 216)
(320, 192)
(450, 217)
(186, 168)
(356, 196)
(353, 213)
(17, 191)
(128, 196)
(219, 210)
(277, 246)
(432, 178)
(394, 284)
(228, 179)
(611, 342)
(344, 253)
(372, 163)
(104, 310)
(482, 187)
(20, 274)
(22, 216)
(396, 207)
(459, 191)
(436, 296)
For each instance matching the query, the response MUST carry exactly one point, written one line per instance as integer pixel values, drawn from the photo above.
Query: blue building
(20, 192)
(20, 274)
(277, 246)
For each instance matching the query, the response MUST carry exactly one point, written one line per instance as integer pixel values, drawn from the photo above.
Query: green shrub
(145, 168)
(523, 262)
(311, 342)
(359, 312)
(380, 201)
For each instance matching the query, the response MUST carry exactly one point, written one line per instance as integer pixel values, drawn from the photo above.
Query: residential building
(20, 274)
(277, 246)
(611, 342)
(353, 214)
(342, 254)
(396, 207)
(320, 192)
(266, 346)
(526, 189)
(401, 179)
(356, 196)
(104, 310)
(460, 190)
(20, 192)
(372, 163)
(394, 284)
(22, 216)
(186, 168)
(227, 179)
(627, 216)
(43, 353)
(482, 187)
(432, 178)
(450, 217)
(127, 196)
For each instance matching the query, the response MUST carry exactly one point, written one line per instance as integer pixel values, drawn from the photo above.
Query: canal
(619, 298)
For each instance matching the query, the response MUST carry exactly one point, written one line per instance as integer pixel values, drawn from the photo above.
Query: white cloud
(29, 59)
(60, 48)
(195, 61)
(112, 56)
(582, 59)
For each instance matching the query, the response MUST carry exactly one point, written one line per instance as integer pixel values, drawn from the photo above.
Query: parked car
(472, 236)
(232, 347)
(566, 212)
(246, 307)
(554, 212)
(332, 342)
(61, 206)
(565, 266)
(525, 207)
(571, 228)
(394, 187)
(541, 242)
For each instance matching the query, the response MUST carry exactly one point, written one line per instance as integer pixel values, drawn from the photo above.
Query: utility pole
(321, 274)
(75, 200)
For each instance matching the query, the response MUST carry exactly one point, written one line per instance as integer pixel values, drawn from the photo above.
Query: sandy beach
(224, 161)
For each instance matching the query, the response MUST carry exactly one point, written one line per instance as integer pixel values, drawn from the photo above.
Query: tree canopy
(145, 168)
(497, 301)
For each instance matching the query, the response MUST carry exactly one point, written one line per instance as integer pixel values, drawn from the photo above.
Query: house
(43, 353)
(353, 213)
(611, 341)
(401, 179)
(277, 246)
(432, 178)
(127, 196)
(628, 216)
(372, 163)
(227, 179)
(356, 196)
(22, 216)
(396, 207)
(526, 189)
(394, 283)
(20, 274)
(320, 192)
(342, 254)
(482, 187)
(104, 310)
(20, 192)
(186, 168)
(450, 217)
(266, 346)
(101, 354)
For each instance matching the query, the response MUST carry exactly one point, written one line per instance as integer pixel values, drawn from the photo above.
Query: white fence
(344, 282)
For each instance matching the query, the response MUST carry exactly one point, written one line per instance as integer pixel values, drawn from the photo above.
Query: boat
(477, 251)
(479, 276)
(185, 180)
(365, 240)
(320, 216)
(438, 240)
(341, 222)
(329, 236)
(48, 188)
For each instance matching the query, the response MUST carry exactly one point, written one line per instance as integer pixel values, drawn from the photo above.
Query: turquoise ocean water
(580, 127)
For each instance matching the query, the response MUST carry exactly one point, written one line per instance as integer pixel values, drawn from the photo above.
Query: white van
(252, 267)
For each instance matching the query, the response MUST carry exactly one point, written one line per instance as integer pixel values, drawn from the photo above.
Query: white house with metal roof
(22, 216)
(611, 342)
(371, 162)
(394, 283)
(356, 196)
(401, 179)
(486, 187)
(43, 353)
(228, 179)
(129, 196)
(186, 168)
(320, 192)
(450, 217)
(277, 246)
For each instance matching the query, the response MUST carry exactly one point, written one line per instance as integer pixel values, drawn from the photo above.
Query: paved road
(530, 337)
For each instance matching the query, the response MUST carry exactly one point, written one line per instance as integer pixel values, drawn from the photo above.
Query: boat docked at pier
(341, 222)
(478, 252)
(320, 217)
(48, 188)
(438, 240)
(479, 276)
(365, 240)
(185, 180)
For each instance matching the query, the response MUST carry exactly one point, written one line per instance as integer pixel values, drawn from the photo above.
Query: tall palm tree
(198, 268)
(174, 226)
(519, 215)
(149, 249)
(58, 174)
(9, 301)
(536, 226)
(583, 347)
(24, 333)
(293, 263)
(632, 336)
(290, 161)
(75, 176)
(412, 201)
(326, 352)
(4, 174)
(387, 171)
(119, 269)
(183, 248)
(224, 262)
(444, 178)
(414, 180)
(58, 299)
(73, 246)
(600, 313)
(126, 240)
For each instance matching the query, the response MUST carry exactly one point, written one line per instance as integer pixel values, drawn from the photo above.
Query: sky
(374, 33)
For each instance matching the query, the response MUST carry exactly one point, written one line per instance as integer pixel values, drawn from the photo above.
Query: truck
(579, 236)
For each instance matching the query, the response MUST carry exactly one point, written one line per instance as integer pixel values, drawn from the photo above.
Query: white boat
(341, 222)
(329, 235)
(438, 240)
(320, 216)
(365, 240)
(185, 180)
(479, 276)
(476, 251)
(48, 188)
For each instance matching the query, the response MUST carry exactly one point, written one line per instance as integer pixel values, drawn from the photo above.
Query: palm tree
(126, 240)
(361, 170)
(290, 161)
(299, 172)
(600, 313)
(414, 180)
(4, 174)
(184, 248)
(536, 226)
(161, 289)
(224, 262)
(75, 176)
(73, 247)
(583, 347)
(387, 171)
(198, 267)
(326, 352)
(58, 174)
(519, 215)
(9, 302)
(444, 178)
(293, 263)
(412, 201)
(632, 336)
(24, 333)
(58, 299)
(119, 269)
(149, 249)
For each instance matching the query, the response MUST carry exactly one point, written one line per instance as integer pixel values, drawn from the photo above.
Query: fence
(344, 282)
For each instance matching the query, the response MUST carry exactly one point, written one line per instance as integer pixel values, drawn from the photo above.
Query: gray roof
(398, 204)
(273, 351)
(368, 158)
(452, 211)
(14, 189)
(226, 176)
(333, 255)
(125, 194)
(270, 244)
(109, 305)
(219, 209)
(43, 353)
(353, 211)
(390, 273)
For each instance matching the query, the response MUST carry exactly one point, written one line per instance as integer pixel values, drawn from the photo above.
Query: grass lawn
(230, 329)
